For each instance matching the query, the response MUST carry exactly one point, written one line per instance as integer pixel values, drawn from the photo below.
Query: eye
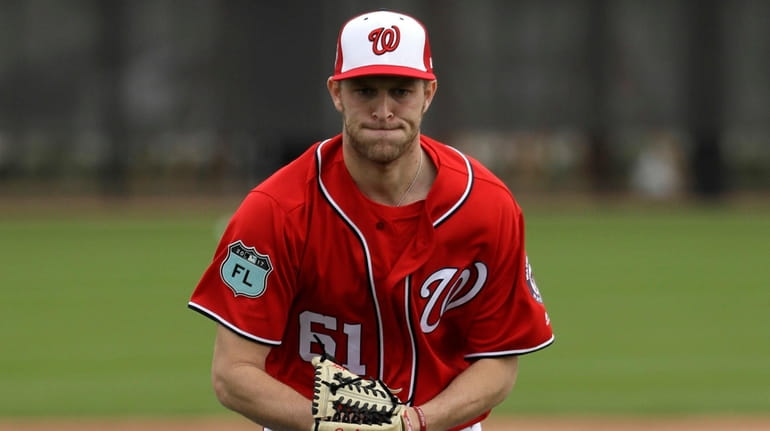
(365, 91)
(401, 92)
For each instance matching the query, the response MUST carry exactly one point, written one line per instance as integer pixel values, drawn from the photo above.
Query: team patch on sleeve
(531, 282)
(245, 270)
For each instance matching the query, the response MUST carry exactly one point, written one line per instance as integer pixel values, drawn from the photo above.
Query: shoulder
(289, 186)
(457, 167)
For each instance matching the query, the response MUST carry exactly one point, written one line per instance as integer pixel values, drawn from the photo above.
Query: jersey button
(380, 225)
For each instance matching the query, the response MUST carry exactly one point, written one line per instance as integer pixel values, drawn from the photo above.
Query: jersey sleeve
(247, 287)
(511, 319)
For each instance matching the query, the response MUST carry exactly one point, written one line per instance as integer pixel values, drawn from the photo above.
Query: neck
(396, 183)
(411, 183)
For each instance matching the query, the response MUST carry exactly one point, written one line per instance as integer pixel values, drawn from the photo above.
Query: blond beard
(381, 150)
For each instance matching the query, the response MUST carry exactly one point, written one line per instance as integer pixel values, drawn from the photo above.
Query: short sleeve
(511, 318)
(248, 286)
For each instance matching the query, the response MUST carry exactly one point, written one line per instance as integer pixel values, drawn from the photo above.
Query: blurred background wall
(665, 99)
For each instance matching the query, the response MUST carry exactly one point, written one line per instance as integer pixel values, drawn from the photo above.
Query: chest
(374, 254)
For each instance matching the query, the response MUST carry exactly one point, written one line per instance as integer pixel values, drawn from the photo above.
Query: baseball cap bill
(383, 43)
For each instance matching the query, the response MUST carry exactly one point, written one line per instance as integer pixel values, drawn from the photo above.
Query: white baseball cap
(383, 43)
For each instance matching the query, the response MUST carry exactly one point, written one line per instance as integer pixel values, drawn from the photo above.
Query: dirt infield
(495, 424)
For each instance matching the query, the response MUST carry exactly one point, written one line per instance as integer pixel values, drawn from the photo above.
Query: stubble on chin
(379, 150)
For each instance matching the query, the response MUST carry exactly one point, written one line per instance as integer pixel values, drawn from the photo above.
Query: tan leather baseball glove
(344, 401)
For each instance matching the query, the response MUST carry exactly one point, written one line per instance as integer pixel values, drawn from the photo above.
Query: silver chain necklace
(414, 180)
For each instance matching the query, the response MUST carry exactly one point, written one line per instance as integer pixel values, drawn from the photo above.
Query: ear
(335, 89)
(430, 91)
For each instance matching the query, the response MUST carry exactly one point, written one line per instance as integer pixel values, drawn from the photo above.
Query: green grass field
(656, 312)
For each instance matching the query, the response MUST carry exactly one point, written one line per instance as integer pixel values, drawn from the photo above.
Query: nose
(382, 108)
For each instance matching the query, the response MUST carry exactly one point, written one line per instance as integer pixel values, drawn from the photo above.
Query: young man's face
(381, 114)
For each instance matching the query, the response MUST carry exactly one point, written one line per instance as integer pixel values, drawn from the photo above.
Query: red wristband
(421, 416)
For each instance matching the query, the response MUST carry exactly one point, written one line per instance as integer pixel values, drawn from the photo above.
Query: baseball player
(398, 256)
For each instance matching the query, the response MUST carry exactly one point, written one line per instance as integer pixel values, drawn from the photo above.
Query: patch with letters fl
(245, 270)
(531, 282)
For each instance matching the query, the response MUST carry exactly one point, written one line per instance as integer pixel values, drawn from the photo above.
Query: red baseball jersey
(410, 295)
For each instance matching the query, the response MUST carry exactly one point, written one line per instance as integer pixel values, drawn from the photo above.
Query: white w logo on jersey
(449, 291)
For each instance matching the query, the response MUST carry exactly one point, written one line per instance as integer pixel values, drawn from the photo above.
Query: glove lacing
(354, 412)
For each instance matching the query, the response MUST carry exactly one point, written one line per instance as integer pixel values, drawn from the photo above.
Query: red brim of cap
(384, 70)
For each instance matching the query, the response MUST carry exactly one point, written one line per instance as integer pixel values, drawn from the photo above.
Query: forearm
(482, 386)
(259, 397)
(242, 385)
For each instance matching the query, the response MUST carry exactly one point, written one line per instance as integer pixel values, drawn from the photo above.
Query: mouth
(381, 129)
